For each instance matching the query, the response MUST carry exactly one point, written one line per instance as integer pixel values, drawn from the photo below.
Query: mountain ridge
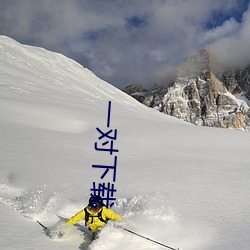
(200, 95)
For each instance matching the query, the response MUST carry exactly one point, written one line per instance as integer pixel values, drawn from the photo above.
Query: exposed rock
(201, 97)
(137, 91)
(237, 81)
(133, 88)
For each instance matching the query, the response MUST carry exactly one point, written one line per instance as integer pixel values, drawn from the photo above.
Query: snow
(182, 185)
(242, 99)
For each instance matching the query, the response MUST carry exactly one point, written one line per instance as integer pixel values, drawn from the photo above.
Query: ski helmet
(96, 201)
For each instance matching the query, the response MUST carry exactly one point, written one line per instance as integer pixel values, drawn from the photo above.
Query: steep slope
(183, 185)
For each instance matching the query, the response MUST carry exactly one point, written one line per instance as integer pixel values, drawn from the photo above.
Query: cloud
(228, 28)
(121, 41)
(233, 49)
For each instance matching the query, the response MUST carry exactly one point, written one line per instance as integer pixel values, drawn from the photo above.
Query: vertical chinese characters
(105, 143)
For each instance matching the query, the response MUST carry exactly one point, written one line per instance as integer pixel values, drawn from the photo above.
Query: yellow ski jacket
(94, 223)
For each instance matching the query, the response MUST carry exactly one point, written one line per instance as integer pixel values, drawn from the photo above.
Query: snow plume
(147, 215)
(36, 203)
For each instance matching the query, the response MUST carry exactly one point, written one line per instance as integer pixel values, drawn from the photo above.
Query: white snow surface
(182, 185)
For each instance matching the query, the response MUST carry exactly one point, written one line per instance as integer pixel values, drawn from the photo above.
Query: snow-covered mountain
(183, 185)
(201, 96)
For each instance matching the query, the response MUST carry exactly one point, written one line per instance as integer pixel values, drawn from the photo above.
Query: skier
(95, 214)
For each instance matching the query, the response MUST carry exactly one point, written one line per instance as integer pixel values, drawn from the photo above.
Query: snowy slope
(182, 185)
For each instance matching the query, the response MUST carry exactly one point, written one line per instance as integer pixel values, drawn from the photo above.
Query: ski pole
(45, 228)
(149, 239)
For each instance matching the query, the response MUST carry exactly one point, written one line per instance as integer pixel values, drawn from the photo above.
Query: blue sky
(218, 17)
(131, 41)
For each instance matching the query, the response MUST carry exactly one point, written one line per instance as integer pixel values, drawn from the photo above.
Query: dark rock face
(199, 96)
(137, 91)
(237, 81)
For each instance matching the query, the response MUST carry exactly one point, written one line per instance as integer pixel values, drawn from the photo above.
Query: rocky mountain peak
(200, 96)
(196, 64)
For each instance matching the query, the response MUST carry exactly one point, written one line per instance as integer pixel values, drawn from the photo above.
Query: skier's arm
(110, 214)
(77, 217)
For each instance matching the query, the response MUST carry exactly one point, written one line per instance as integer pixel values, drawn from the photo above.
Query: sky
(132, 41)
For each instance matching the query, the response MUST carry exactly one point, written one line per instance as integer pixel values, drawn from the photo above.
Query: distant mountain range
(201, 94)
